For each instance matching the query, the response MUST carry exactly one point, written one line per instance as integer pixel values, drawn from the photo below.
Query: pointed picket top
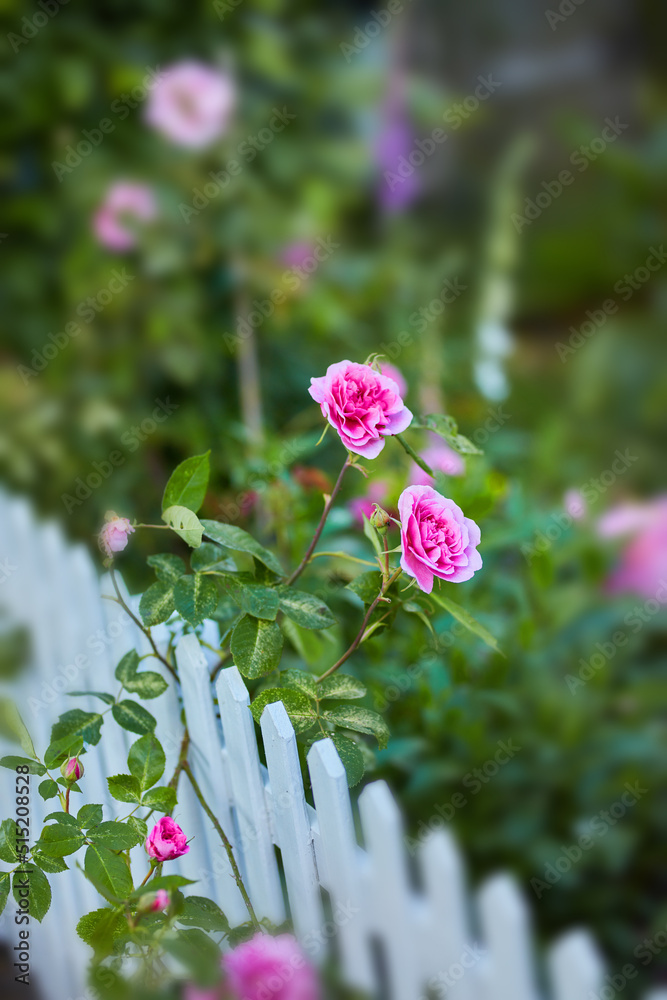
(575, 966)
(505, 923)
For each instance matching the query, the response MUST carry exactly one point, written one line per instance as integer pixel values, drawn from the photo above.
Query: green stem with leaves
(140, 625)
(318, 531)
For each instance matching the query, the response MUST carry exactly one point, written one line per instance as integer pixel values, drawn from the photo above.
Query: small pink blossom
(441, 458)
(161, 901)
(191, 105)
(192, 992)
(575, 505)
(270, 968)
(166, 840)
(392, 371)
(642, 568)
(363, 405)
(125, 204)
(114, 535)
(296, 254)
(436, 538)
(72, 769)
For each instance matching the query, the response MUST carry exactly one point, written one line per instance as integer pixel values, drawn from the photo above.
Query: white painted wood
(292, 828)
(506, 933)
(256, 849)
(575, 967)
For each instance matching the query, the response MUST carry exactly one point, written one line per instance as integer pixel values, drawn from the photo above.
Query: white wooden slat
(292, 828)
(344, 862)
(575, 967)
(656, 995)
(391, 898)
(247, 788)
(506, 933)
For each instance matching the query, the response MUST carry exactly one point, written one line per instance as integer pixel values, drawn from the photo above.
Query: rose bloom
(441, 458)
(393, 372)
(642, 568)
(191, 104)
(363, 405)
(166, 840)
(125, 204)
(113, 536)
(270, 968)
(436, 538)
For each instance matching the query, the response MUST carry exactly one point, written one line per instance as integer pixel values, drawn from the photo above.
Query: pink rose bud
(72, 769)
(436, 539)
(363, 405)
(270, 967)
(166, 840)
(114, 535)
(191, 104)
(380, 519)
(125, 205)
(154, 902)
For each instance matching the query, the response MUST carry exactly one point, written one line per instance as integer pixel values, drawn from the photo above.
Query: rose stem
(316, 537)
(146, 631)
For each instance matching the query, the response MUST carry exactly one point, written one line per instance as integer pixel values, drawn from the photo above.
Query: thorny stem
(360, 634)
(226, 845)
(182, 760)
(140, 625)
(318, 531)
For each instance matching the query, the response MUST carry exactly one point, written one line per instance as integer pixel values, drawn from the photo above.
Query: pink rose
(191, 104)
(642, 568)
(436, 539)
(123, 205)
(72, 769)
(363, 405)
(393, 372)
(441, 458)
(166, 840)
(270, 968)
(161, 901)
(113, 536)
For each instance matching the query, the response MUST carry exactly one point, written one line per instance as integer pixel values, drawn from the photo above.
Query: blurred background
(475, 191)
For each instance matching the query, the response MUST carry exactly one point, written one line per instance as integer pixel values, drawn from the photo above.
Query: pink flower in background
(575, 504)
(191, 105)
(400, 184)
(363, 405)
(192, 992)
(642, 568)
(296, 254)
(161, 901)
(392, 371)
(441, 458)
(166, 840)
(270, 968)
(436, 538)
(376, 493)
(114, 535)
(125, 204)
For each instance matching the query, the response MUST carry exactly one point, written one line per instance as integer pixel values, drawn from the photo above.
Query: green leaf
(366, 586)
(210, 556)
(157, 603)
(108, 873)
(134, 717)
(186, 524)
(59, 840)
(148, 684)
(13, 727)
(162, 882)
(48, 864)
(300, 680)
(361, 720)
(48, 788)
(371, 534)
(194, 949)
(239, 540)
(300, 709)
(127, 667)
(255, 599)
(447, 428)
(108, 699)
(413, 454)
(100, 928)
(146, 760)
(8, 841)
(125, 788)
(340, 686)
(305, 609)
(72, 727)
(62, 817)
(162, 798)
(466, 619)
(140, 826)
(39, 891)
(115, 836)
(168, 568)
(201, 912)
(256, 646)
(5, 883)
(188, 483)
(351, 757)
(89, 815)
(13, 762)
(195, 597)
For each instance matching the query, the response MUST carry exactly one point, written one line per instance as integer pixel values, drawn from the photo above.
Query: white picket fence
(432, 941)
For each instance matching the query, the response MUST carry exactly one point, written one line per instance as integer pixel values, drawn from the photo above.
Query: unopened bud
(379, 519)
(72, 769)
(154, 902)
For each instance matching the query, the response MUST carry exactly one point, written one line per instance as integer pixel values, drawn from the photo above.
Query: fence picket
(506, 933)
(575, 966)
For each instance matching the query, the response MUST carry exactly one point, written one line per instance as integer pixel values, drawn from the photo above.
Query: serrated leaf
(8, 841)
(210, 556)
(299, 708)
(140, 826)
(59, 840)
(72, 727)
(100, 927)
(366, 586)
(361, 720)
(146, 760)
(300, 680)
(168, 568)
(235, 538)
(305, 609)
(62, 817)
(148, 684)
(201, 912)
(134, 717)
(108, 699)
(194, 949)
(163, 799)
(13, 727)
(185, 523)
(351, 757)
(188, 483)
(127, 666)
(466, 619)
(340, 686)
(108, 872)
(195, 597)
(125, 788)
(447, 428)
(13, 762)
(162, 882)
(5, 885)
(48, 788)
(89, 815)
(115, 836)
(256, 646)
(51, 865)
(157, 603)
(255, 599)
(32, 878)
